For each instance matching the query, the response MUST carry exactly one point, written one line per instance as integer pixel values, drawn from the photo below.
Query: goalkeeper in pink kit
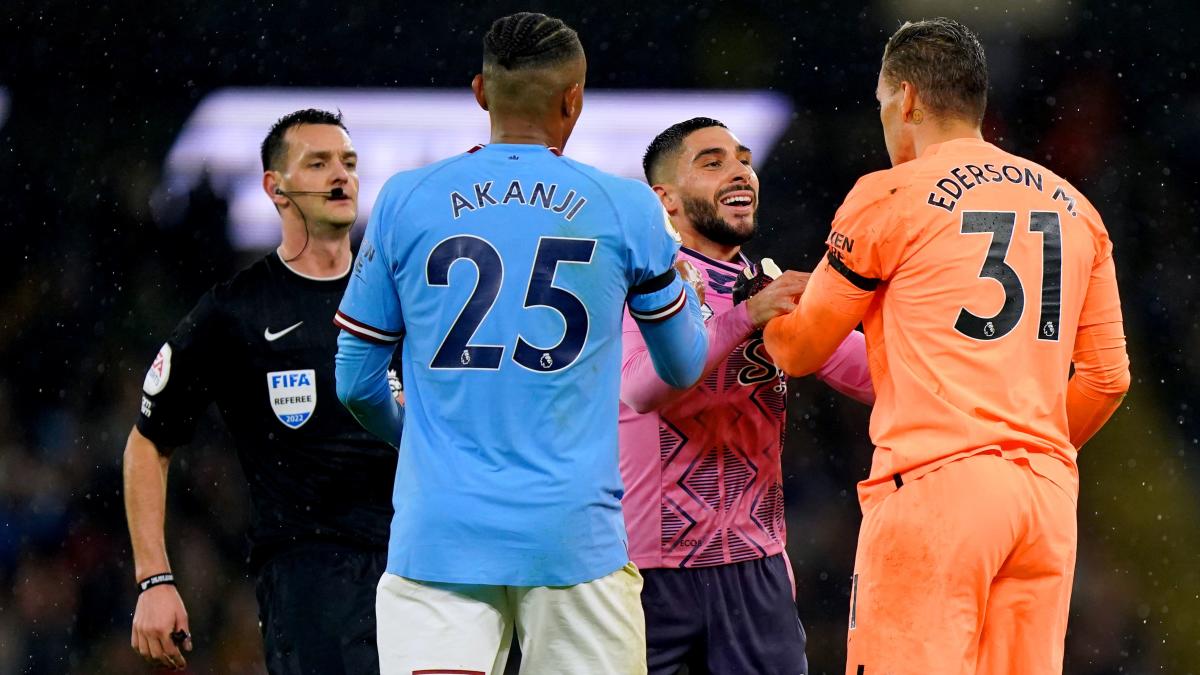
(701, 466)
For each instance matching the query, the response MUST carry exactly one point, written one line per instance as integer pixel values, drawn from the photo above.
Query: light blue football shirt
(505, 271)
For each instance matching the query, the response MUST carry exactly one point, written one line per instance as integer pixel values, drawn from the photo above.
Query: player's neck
(327, 254)
(709, 248)
(950, 130)
(518, 131)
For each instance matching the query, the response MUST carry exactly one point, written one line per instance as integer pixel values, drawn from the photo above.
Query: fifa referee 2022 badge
(260, 346)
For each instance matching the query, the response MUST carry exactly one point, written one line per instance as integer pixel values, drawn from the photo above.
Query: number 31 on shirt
(1000, 225)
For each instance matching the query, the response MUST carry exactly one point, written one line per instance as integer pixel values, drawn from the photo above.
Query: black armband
(656, 284)
(863, 283)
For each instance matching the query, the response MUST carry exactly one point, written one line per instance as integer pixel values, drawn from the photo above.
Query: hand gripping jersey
(702, 469)
(985, 266)
(505, 271)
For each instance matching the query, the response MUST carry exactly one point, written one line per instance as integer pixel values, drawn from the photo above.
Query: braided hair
(529, 40)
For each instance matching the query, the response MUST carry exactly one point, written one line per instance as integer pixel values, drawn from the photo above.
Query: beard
(707, 223)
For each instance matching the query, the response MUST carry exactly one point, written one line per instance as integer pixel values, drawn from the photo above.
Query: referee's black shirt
(262, 346)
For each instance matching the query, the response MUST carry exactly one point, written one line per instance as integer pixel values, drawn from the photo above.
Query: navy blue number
(543, 293)
(1000, 225)
(1046, 222)
(456, 352)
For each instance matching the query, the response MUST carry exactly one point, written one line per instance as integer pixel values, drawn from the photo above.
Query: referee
(261, 346)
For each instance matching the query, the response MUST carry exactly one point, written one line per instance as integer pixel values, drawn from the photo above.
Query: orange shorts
(965, 570)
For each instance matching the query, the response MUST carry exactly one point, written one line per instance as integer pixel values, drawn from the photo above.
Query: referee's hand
(159, 613)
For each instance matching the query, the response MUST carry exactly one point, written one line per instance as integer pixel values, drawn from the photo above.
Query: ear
(572, 101)
(272, 185)
(477, 87)
(669, 198)
(909, 101)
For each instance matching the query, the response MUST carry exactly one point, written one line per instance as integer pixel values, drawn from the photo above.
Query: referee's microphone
(335, 193)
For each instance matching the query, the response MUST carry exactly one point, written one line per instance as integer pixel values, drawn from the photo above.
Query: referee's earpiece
(278, 191)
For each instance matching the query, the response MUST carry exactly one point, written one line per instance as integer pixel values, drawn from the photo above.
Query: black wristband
(156, 580)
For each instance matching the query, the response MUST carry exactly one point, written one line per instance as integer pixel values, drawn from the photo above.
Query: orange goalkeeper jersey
(984, 265)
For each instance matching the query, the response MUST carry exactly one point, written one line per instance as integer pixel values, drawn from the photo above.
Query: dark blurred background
(1106, 94)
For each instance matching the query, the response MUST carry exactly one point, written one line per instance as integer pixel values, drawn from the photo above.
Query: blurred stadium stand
(400, 129)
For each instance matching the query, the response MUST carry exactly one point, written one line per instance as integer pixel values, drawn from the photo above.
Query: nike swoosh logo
(271, 337)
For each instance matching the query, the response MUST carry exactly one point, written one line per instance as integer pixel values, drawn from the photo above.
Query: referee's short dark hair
(274, 150)
(944, 59)
(667, 144)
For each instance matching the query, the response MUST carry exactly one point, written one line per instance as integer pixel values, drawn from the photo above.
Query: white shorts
(593, 628)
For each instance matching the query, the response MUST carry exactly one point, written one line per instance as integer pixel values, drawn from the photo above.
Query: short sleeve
(652, 242)
(862, 243)
(370, 308)
(177, 388)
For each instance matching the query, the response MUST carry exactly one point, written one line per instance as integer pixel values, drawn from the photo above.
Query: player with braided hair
(505, 271)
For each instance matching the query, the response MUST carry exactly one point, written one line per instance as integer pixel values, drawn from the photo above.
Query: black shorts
(316, 608)
(725, 620)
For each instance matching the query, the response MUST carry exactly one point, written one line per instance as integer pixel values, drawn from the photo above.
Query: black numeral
(1000, 225)
(1046, 222)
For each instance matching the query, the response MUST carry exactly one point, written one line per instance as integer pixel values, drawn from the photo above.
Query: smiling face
(717, 187)
(320, 157)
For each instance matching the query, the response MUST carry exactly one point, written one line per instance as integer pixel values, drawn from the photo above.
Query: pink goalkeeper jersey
(703, 483)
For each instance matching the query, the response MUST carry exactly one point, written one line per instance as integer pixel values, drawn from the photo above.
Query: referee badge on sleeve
(293, 395)
(160, 371)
